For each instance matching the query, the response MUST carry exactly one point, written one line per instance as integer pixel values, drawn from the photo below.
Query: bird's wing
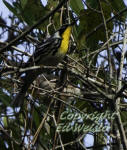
(46, 47)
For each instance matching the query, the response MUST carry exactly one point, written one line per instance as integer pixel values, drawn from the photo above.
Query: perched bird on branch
(49, 52)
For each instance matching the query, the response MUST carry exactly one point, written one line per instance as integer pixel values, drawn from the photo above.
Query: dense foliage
(84, 95)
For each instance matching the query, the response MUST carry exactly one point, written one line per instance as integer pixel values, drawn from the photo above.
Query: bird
(48, 52)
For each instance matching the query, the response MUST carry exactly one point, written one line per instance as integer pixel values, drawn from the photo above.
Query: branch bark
(117, 105)
(32, 27)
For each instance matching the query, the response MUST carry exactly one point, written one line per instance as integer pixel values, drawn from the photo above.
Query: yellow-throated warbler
(49, 52)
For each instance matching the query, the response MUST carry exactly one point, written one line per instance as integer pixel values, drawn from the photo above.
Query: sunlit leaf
(76, 6)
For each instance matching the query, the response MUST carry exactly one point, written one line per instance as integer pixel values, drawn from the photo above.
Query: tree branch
(32, 27)
(107, 21)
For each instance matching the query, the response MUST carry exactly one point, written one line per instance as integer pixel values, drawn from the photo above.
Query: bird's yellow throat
(65, 40)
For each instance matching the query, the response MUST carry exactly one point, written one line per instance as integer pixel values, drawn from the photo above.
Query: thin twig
(119, 121)
(41, 124)
(107, 21)
(32, 27)
(17, 49)
(103, 47)
(107, 38)
(62, 146)
(11, 138)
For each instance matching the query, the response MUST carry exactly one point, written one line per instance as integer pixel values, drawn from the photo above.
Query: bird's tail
(19, 99)
(28, 79)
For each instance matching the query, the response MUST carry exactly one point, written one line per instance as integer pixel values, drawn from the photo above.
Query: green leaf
(93, 4)
(23, 3)
(88, 21)
(36, 118)
(5, 98)
(5, 121)
(29, 11)
(10, 7)
(76, 6)
(117, 4)
(32, 11)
